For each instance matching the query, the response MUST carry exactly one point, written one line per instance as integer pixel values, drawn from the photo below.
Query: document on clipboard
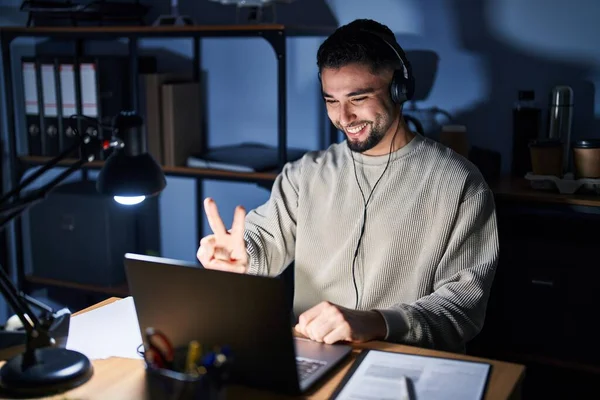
(378, 374)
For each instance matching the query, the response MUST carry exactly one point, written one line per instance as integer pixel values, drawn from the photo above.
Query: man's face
(359, 104)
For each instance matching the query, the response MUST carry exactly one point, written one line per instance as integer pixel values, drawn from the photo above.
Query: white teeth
(356, 129)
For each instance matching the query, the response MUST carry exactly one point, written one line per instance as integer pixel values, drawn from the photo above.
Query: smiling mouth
(356, 130)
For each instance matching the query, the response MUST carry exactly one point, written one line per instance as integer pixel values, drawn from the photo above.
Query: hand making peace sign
(224, 250)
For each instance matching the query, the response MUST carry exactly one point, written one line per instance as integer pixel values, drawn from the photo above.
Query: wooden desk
(123, 379)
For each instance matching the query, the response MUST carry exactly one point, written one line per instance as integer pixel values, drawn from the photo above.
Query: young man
(393, 235)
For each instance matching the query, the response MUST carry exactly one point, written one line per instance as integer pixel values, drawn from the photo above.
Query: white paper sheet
(381, 373)
(108, 331)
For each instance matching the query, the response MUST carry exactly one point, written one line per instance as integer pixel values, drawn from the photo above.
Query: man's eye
(330, 101)
(358, 99)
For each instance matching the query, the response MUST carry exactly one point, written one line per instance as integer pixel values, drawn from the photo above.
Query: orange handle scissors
(160, 350)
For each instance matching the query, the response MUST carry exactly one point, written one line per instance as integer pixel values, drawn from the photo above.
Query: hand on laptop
(329, 323)
(224, 250)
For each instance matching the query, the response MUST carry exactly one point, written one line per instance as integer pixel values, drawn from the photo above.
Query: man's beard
(375, 136)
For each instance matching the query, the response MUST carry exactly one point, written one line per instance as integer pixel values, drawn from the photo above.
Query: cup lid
(587, 144)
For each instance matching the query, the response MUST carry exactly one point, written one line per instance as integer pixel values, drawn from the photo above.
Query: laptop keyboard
(307, 366)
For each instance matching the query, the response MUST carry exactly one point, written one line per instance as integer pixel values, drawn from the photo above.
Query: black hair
(353, 44)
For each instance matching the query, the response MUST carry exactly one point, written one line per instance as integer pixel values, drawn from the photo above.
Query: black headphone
(402, 87)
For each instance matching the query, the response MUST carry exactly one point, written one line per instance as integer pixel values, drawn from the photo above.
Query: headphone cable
(366, 203)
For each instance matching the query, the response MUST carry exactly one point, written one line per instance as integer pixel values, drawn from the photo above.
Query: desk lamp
(129, 175)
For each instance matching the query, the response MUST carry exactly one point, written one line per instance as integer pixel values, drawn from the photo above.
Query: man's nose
(346, 115)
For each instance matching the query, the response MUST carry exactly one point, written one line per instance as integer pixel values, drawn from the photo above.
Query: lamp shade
(128, 176)
(130, 171)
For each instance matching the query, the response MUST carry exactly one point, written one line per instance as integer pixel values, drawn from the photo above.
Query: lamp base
(13, 343)
(57, 370)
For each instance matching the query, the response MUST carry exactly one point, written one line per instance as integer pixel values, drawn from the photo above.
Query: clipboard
(416, 367)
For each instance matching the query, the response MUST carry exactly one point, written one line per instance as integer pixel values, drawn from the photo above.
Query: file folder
(49, 122)
(32, 107)
(104, 85)
(88, 85)
(97, 87)
(68, 105)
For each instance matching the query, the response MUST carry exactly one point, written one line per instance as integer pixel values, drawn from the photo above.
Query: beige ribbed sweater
(429, 250)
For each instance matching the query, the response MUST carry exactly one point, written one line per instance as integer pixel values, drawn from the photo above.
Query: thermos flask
(561, 119)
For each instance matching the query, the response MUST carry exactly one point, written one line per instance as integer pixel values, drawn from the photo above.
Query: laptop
(248, 313)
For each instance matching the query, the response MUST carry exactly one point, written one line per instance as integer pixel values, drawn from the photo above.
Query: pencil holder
(176, 383)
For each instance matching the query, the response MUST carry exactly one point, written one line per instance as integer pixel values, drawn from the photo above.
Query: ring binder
(31, 106)
(49, 112)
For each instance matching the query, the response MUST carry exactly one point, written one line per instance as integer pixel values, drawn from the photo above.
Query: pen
(410, 389)
(193, 353)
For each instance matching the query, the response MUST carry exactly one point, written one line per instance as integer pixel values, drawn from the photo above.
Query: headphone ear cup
(398, 88)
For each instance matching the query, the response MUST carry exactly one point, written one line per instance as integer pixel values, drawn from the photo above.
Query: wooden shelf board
(122, 290)
(519, 189)
(217, 173)
(507, 188)
(292, 30)
(185, 171)
(38, 160)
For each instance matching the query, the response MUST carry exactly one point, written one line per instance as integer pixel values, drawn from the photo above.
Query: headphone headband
(401, 58)
(402, 87)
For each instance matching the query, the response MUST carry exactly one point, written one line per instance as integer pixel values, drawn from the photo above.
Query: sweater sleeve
(454, 313)
(270, 229)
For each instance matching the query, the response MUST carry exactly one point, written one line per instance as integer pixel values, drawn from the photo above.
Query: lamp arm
(12, 296)
(36, 303)
(38, 195)
(41, 370)
(16, 301)
(50, 164)
(37, 334)
(18, 305)
(8, 289)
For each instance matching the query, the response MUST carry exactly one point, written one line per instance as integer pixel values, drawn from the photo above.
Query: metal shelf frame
(274, 34)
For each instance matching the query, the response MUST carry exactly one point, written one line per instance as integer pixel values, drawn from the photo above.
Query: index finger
(309, 315)
(237, 228)
(214, 219)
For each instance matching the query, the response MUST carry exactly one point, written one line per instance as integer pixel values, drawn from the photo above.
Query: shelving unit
(274, 34)
(546, 280)
(254, 177)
